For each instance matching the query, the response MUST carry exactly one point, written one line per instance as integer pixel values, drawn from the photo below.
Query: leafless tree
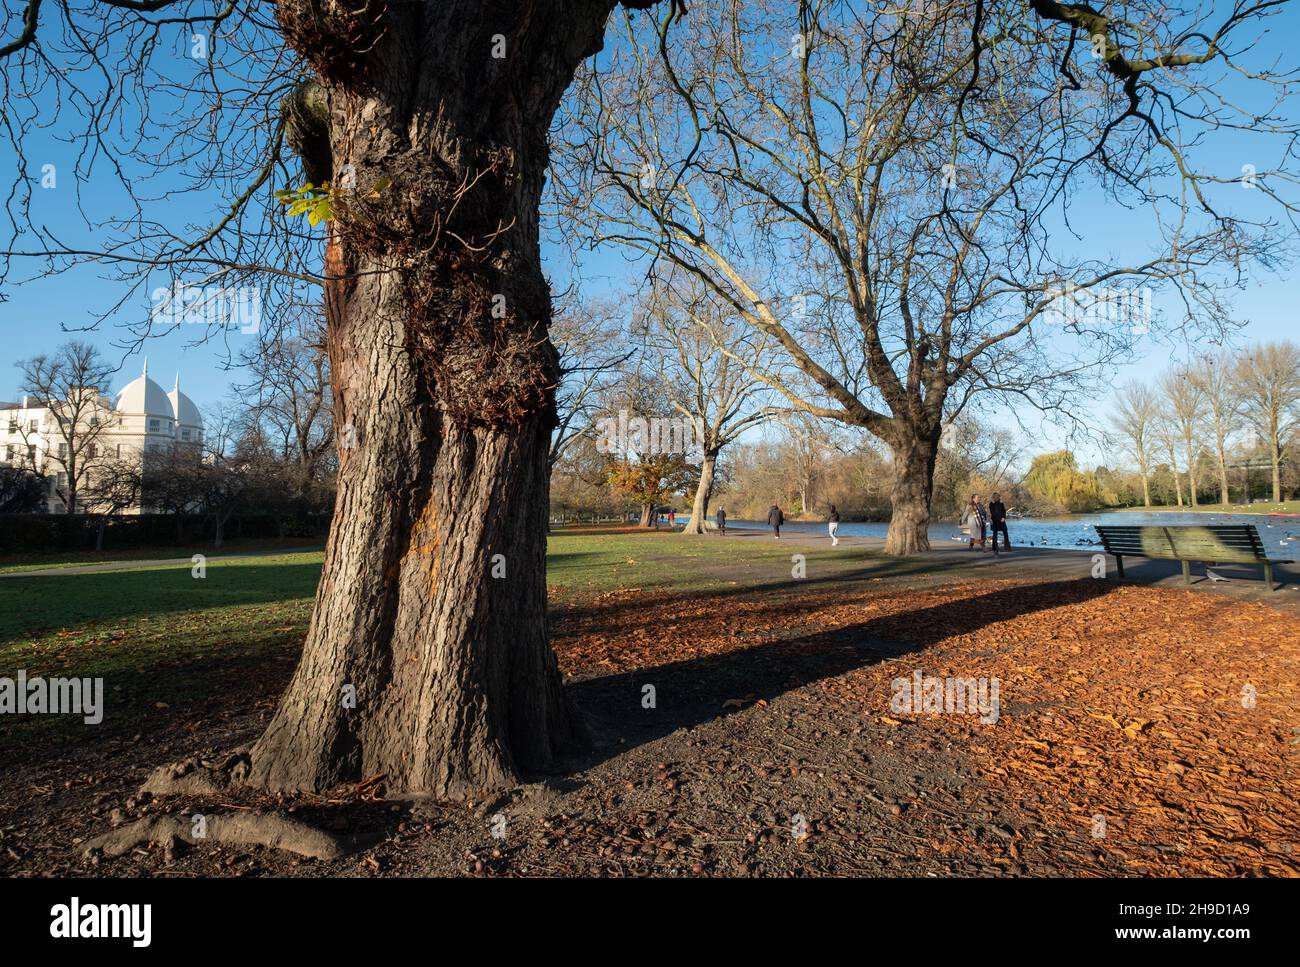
(1213, 376)
(807, 443)
(592, 341)
(115, 486)
(1268, 376)
(707, 362)
(72, 383)
(1136, 422)
(883, 193)
(1185, 409)
(289, 399)
(1168, 440)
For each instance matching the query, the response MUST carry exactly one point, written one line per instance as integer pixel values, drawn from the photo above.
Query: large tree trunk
(910, 494)
(456, 688)
(427, 659)
(1146, 489)
(700, 509)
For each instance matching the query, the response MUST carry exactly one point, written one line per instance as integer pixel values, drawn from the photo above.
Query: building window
(119, 451)
(185, 434)
(63, 451)
(31, 451)
(33, 426)
(13, 425)
(155, 426)
(9, 452)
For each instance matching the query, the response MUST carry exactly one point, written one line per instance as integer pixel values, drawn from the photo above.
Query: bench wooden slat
(1212, 543)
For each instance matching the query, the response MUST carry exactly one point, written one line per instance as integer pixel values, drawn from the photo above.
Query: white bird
(1214, 577)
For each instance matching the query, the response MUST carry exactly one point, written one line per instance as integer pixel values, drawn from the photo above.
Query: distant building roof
(143, 396)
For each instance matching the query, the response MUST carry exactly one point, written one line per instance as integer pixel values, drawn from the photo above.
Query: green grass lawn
(158, 634)
(155, 635)
(17, 563)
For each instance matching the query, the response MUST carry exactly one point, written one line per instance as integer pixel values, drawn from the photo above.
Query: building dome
(183, 409)
(143, 396)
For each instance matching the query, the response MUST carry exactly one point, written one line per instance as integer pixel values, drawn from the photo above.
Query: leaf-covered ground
(1141, 730)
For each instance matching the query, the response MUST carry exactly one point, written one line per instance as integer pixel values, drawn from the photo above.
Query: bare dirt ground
(1141, 731)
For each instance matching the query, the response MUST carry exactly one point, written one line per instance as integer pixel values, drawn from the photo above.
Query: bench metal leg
(1119, 564)
(1268, 576)
(1187, 572)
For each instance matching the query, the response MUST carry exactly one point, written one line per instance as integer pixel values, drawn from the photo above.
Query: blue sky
(38, 309)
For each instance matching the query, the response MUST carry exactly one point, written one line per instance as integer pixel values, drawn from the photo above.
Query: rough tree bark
(703, 492)
(910, 494)
(427, 657)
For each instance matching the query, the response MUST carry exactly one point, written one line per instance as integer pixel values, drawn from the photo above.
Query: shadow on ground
(693, 691)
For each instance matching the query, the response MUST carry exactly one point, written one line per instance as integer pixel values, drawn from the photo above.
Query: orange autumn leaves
(1170, 714)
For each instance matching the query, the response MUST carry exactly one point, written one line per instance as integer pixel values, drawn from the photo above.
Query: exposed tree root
(198, 777)
(209, 777)
(238, 829)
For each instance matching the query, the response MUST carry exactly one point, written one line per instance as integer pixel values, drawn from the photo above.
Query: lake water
(1074, 532)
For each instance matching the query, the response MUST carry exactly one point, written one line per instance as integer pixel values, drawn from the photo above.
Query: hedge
(21, 533)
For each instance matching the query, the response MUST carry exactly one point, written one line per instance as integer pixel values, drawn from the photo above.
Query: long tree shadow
(622, 614)
(693, 691)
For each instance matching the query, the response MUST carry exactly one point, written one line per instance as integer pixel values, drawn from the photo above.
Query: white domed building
(143, 418)
(146, 417)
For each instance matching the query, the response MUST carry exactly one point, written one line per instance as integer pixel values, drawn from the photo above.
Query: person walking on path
(722, 522)
(998, 522)
(833, 525)
(776, 519)
(974, 519)
(672, 520)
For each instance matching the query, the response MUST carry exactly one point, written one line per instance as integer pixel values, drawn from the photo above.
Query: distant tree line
(1221, 426)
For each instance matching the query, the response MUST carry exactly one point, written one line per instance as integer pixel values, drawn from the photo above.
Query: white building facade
(142, 418)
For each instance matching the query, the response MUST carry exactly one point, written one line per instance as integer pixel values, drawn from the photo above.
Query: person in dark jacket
(998, 522)
(722, 522)
(776, 519)
(833, 525)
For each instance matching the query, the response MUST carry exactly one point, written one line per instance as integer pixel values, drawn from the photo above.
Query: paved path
(1245, 583)
(158, 562)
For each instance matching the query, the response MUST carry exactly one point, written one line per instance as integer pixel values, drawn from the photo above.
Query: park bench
(1213, 544)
